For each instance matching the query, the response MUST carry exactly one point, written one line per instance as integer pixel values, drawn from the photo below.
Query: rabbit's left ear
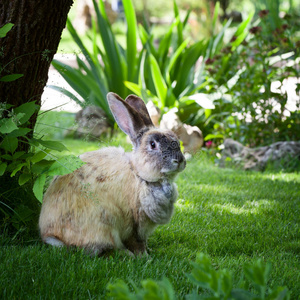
(128, 119)
(139, 105)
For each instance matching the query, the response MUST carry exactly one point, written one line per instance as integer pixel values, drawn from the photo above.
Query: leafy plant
(168, 73)
(106, 66)
(256, 113)
(33, 164)
(217, 283)
(173, 74)
(25, 162)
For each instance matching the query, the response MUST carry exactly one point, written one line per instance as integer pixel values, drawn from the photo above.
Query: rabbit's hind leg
(53, 241)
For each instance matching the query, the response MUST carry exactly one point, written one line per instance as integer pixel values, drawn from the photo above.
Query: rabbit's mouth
(175, 167)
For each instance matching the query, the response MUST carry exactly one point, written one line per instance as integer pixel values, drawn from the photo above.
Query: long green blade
(66, 93)
(159, 82)
(86, 53)
(179, 25)
(72, 77)
(165, 44)
(131, 51)
(174, 59)
(114, 68)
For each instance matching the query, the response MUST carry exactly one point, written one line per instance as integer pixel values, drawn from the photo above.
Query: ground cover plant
(233, 216)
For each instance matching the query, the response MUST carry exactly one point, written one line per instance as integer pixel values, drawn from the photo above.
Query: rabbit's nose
(178, 160)
(175, 161)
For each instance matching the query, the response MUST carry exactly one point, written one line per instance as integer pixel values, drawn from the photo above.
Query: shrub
(253, 112)
(106, 66)
(25, 163)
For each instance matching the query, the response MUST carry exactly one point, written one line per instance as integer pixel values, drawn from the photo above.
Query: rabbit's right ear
(128, 119)
(139, 105)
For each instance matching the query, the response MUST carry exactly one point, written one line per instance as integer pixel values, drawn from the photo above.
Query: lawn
(232, 215)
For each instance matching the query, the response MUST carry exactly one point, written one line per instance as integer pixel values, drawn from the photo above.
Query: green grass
(234, 216)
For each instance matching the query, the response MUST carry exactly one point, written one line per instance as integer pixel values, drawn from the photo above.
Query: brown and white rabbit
(116, 199)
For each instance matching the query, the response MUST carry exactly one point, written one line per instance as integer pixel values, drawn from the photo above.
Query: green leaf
(2, 168)
(85, 85)
(38, 156)
(165, 44)
(213, 136)
(95, 72)
(17, 169)
(152, 289)
(114, 66)
(241, 294)
(175, 58)
(9, 144)
(11, 77)
(159, 82)
(65, 165)
(188, 61)
(258, 272)
(120, 290)
(131, 50)
(23, 178)
(73, 78)
(20, 132)
(7, 156)
(42, 166)
(135, 88)
(67, 93)
(179, 24)
(5, 29)
(162, 290)
(215, 17)
(279, 293)
(38, 187)
(216, 42)
(241, 28)
(53, 145)
(28, 109)
(7, 126)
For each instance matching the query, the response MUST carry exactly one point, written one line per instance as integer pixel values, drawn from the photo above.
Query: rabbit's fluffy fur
(116, 199)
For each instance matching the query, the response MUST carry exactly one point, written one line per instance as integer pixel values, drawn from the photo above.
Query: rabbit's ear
(128, 119)
(139, 105)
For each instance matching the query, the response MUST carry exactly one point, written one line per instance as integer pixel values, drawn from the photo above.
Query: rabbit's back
(95, 203)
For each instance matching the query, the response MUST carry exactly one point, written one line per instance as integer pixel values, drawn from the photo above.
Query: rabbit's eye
(153, 145)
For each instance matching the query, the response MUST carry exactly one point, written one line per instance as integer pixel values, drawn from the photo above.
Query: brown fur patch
(81, 176)
(100, 178)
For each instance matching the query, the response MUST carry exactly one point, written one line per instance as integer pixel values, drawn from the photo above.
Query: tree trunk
(29, 47)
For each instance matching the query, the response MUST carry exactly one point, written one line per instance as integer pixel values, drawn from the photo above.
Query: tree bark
(29, 47)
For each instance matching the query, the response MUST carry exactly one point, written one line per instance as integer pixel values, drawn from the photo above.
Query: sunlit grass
(232, 215)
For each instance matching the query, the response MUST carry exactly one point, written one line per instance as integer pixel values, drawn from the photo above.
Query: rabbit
(117, 198)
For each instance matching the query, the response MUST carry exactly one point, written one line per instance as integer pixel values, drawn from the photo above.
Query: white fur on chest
(158, 201)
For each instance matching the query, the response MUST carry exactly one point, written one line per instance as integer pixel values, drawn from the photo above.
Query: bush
(254, 113)
(106, 66)
(25, 163)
